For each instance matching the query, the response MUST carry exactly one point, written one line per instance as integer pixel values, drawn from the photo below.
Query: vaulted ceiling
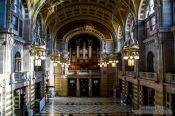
(62, 16)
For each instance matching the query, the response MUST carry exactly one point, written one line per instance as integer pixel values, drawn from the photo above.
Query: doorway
(130, 88)
(148, 96)
(72, 87)
(95, 87)
(84, 84)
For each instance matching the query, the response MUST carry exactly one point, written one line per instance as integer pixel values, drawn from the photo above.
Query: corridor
(84, 106)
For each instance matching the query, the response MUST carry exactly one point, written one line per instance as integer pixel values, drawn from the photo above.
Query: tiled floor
(84, 106)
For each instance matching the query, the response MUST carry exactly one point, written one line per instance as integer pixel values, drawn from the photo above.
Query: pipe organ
(84, 53)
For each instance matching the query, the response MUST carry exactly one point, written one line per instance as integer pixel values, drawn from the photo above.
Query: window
(150, 17)
(173, 11)
(20, 10)
(17, 62)
(15, 23)
(16, 6)
(20, 28)
(149, 9)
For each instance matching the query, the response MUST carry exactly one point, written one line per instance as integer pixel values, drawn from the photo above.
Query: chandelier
(38, 51)
(130, 50)
(55, 56)
(103, 62)
(100, 63)
(113, 59)
(131, 47)
(63, 61)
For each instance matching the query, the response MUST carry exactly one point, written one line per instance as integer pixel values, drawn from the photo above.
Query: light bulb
(110, 61)
(136, 57)
(113, 64)
(125, 57)
(105, 65)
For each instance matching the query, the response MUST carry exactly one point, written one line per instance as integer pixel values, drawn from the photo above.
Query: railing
(131, 73)
(170, 78)
(19, 76)
(83, 72)
(148, 75)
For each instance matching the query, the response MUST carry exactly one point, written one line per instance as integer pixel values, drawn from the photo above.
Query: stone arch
(83, 30)
(18, 64)
(150, 61)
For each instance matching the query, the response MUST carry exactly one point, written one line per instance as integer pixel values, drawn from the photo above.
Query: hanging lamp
(131, 48)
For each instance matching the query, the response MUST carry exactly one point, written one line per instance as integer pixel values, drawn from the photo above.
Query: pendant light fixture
(131, 48)
(38, 50)
(55, 56)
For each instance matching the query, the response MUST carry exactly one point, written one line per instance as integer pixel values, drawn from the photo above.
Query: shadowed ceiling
(61, 16)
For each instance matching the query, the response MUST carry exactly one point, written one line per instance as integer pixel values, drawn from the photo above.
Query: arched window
(150, 62)
(17, 62)
(146, 9)
(149, 8)
(147, 13)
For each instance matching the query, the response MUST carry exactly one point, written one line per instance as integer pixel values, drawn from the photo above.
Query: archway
(150, 62)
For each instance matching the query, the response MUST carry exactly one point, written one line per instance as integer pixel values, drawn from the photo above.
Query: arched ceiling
(61, 16)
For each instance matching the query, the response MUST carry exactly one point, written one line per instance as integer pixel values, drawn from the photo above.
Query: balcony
(170, 78)
(83, 72)
(19, 77)
(130, 74)
(38, 76)
(148, 76)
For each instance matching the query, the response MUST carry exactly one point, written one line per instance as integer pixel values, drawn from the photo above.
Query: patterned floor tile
(84, 106)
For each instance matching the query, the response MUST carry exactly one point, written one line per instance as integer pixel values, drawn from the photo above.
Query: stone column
(90, 48)
(78, 51)
(90, 51)
(90, 87)
(78, 48)
(97, 53)
(66, 46)
(78, 88)
(84, 50)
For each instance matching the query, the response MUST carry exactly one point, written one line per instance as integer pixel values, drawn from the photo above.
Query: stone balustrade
(148, 75)
(83, 72)
(131, 73)
(170, 78)
(19, 77)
